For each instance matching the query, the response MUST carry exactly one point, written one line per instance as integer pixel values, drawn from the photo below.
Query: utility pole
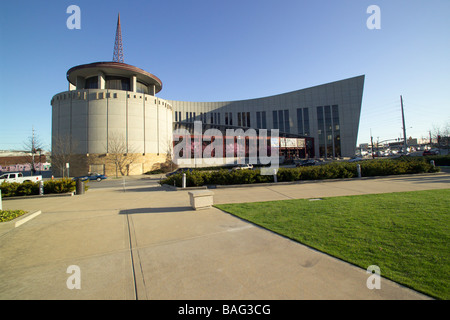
(371, 141)
(405, 146)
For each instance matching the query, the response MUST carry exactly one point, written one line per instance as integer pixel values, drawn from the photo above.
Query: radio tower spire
(118, 48)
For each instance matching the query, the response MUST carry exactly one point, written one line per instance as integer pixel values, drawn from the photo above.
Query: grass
(406, 234)
(8, 215)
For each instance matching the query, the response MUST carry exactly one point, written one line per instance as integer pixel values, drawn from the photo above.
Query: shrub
(336, 170)
(28, 188)
(59, 186)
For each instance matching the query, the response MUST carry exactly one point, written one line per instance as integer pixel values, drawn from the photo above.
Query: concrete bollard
(432, 163)
(358, 169)
(275, 179)
(184, 181)
(41, 188)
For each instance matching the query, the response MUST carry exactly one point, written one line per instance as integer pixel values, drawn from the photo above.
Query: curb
(17, 222)
(69, 194)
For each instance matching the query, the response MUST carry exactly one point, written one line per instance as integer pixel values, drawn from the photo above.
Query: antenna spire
(118, 48)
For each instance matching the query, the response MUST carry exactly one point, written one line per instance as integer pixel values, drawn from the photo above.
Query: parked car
(179, 170)
(91, 176)
(430, 152)
(18, 177)
(243, 167)
(305, 163)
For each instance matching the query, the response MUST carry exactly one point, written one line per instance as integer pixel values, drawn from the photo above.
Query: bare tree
(62, 151)
(32, 146)
(120, 154)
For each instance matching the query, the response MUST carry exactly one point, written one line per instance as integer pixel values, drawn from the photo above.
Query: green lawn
(406, 234)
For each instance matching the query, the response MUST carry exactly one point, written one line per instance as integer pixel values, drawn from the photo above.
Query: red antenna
(118, 48)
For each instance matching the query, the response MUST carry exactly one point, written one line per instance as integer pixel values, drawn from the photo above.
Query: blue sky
(209, 50)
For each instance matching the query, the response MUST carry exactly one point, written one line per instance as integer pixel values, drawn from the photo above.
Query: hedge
(27, 188)
(335, 170)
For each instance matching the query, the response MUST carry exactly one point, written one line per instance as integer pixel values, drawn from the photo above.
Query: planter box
(201, 199)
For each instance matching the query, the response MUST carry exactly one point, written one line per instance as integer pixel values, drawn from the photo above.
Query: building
(111, 110)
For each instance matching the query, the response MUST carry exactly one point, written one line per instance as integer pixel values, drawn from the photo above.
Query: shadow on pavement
(155, 210)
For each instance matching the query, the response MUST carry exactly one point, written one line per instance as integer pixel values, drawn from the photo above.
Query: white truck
(18, 177)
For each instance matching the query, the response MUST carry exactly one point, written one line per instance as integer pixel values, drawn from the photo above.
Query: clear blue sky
(209, 50)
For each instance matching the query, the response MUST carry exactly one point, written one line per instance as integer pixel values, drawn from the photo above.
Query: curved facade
(328, 113)
(111, 101)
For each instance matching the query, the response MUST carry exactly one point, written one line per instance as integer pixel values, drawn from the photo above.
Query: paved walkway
(147, 243)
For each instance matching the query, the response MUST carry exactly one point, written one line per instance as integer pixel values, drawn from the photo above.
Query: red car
(430, 152)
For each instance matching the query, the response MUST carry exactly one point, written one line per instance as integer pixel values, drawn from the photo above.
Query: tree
(120, 154)
(62, 151)
(32, 146)
(440, 135)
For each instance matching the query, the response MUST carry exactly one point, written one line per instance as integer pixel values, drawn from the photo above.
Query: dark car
(91, 176)
(179, 170)
(305, 163)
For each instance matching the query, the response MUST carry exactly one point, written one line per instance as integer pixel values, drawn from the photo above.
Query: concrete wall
(89, 118)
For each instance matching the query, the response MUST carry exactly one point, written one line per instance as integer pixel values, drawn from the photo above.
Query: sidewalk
(149, 244)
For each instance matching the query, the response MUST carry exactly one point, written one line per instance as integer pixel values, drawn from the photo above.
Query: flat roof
(113, 69)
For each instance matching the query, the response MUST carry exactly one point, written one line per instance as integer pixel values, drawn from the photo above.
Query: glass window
(118, 83)
(280, 121)
(91, 83)
(300, 121)
(306, 121)
(320, 132)
(248, 119)
(258, 119)
(141, 88)
(264, 124)
(287, 126)
(275, 119)
(337, 132)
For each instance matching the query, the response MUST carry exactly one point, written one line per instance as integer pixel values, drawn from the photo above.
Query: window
(300, 121)
(91, 83)
(320, 131)
(231, 119)
(263, 120)
(176, 116)
(275, 119)
(306, 121)
(258, 120)
(287, 126)
(336, 131)
(117, 83)
(280, 121)
(226, 118)
(248, 119)
(239, 120)
(141, 87)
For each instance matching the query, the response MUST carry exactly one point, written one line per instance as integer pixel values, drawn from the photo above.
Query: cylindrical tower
(110, 112)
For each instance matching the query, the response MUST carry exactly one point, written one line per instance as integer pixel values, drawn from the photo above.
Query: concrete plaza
(147, 243)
